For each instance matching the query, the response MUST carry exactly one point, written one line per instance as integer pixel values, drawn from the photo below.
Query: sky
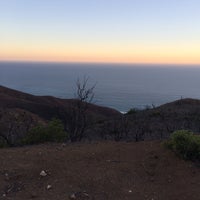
(119, 31)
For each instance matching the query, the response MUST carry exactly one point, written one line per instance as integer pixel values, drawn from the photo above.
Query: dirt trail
(98, 171)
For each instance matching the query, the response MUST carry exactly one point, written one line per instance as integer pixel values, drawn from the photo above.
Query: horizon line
(99, 62)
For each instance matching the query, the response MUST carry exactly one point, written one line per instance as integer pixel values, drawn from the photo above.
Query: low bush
(3, 142)
(132, 111)
(53, 132)
(185, 144)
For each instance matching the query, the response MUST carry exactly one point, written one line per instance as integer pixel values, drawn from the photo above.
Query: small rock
(49, 187)
(4, 195)
(63, 144)
(86, 194)
(72, 196)
(130, 191)
(43, 173)
(80, 195)
(6, 176)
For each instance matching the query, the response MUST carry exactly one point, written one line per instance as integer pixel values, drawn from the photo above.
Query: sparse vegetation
(147, 107)
(76, 116)
(20, 112)
(3, 142)
(52, 132)
(132, 111)
(136, 110)
(185, 144)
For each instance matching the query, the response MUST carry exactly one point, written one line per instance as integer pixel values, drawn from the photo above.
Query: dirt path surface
(98, 171)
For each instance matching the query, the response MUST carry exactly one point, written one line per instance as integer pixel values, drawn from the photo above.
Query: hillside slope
(20, 111)
(46, 106)
(160, 122)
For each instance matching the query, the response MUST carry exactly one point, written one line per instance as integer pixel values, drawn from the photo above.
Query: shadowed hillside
(160, 122)
(46, 106)
(20, 111)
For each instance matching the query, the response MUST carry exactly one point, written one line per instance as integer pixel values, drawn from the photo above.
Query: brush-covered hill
(160, 122)
(19, 112)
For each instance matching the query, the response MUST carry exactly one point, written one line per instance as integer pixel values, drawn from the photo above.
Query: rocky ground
(97, 171)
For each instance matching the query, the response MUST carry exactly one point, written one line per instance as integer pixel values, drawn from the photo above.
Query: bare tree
(84, 93)
(77, 117)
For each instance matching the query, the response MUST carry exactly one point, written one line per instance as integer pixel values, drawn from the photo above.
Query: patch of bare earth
(97, 171)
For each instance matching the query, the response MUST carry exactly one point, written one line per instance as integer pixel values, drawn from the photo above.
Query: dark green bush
(3, 142)
(185, 144)
(53, 132)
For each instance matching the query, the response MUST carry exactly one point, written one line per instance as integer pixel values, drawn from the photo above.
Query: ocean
(119, 86)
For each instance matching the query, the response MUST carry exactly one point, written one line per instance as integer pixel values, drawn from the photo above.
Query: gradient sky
(131, 31)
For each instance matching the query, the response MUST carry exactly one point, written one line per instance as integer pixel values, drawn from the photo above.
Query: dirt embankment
(97, 171)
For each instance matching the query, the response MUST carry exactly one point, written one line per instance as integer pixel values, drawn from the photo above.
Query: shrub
(53, 132)
(3, 142)
(185, 144)
(132, 111)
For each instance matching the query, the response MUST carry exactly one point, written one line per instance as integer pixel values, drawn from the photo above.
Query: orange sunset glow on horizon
(108, 32)
(146, 56)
